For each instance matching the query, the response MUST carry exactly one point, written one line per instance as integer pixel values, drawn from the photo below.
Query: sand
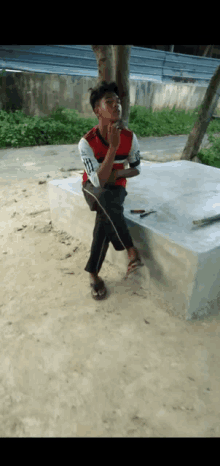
(75, 367)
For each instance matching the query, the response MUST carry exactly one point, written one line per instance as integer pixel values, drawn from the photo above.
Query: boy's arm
(133, 160)
(90, 163)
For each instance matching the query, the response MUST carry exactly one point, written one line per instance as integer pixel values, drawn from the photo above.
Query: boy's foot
(134, 262)
(98, 288)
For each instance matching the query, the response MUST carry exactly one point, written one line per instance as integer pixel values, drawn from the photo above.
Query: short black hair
(100, 90)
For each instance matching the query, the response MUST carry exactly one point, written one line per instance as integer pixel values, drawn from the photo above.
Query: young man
(104, 150)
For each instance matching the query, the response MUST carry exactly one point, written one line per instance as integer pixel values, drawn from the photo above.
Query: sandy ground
(74, 367)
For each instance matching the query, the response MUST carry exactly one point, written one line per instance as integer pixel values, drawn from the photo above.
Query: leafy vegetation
(65, 126)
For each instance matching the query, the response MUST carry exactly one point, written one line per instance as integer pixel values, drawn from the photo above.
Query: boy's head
(105, 101)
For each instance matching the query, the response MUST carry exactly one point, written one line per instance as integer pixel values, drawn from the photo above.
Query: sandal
(134, 264)
(96, 288)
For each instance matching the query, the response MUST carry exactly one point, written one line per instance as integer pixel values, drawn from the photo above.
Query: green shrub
(19, 130)
(211, 156)
(145, 122)
(65, 126)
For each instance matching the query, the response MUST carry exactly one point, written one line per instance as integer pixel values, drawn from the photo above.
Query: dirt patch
(72, 366)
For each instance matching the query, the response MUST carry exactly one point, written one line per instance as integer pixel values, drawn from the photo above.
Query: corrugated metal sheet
(79, 60)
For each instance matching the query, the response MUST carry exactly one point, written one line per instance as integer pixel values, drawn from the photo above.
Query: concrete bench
(182, 260)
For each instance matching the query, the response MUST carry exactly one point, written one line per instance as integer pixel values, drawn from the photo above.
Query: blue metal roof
(80, 60)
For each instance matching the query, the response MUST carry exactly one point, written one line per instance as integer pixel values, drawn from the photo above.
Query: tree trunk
(113, 65)
(211, 50)
(105, 62)
(204, 117)
(206, 50)
(122, 72)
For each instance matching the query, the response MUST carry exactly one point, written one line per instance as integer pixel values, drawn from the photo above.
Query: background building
(212, 51)
(41, 78)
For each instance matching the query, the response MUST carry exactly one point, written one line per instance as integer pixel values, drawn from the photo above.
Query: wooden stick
(204, 220)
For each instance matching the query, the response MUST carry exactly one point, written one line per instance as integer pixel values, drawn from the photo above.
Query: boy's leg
(99, 246)
(110, 223)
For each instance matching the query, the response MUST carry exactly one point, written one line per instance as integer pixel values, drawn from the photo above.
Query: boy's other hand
(113, 177)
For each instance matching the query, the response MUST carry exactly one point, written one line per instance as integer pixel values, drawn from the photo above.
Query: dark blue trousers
(110, 224)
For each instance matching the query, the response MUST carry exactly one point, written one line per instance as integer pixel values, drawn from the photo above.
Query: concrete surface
(62, 161)
(182, 260)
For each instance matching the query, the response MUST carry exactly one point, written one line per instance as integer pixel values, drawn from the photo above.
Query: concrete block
(182, 260)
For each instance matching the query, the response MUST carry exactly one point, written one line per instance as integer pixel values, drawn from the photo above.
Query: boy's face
(109, 108)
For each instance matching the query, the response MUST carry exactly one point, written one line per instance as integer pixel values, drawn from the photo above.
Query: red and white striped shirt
(93, 149)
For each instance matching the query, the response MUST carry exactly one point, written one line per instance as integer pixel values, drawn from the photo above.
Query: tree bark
(105, 62)
(122, 72)
(204, 117)
(211, 51)
(206, 50)
(113, 65)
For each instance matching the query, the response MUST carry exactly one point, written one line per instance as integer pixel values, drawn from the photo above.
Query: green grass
(66, 126)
